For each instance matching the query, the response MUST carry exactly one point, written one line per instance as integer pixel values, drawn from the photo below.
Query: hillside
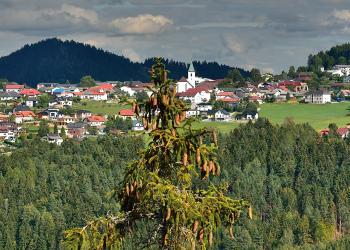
(53, 60)
(339, 54)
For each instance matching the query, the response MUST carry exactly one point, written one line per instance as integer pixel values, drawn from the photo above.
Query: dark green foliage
(297, 182)
(87, 81)
(43, 128)
(119, 124)
(53, 60)
(339, 54)
(45, 189)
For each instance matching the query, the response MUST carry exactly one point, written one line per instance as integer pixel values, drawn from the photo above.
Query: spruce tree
(159, 187)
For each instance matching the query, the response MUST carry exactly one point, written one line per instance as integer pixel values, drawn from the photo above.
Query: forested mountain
(339, 54)
(297, 183)
(53, 60)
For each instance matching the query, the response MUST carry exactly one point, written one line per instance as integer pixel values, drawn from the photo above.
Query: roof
(183, 79)
(191, 68)
(14, 86)
(88, 92)
(54, 136)
(224, 93)
(342, 131)
(230, 99)
(95, 118)
(319, 92)
(30, 92)
(76, 125)
(192, 92)
(126, 112)
(290, 83)
(213, 112)
(24, 113)
(21, 108)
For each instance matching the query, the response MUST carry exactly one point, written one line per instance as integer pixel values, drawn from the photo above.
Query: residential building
(95, 121)
(9, 96)
(53, 138)
(195, 95)
(31, 102)
(137, 125)
(340, 70)
(219, 115)
(318, 97)
(126, 113)
(13, 87)
(24, 116)
(76, 130)
(29, 92)
(82, 114)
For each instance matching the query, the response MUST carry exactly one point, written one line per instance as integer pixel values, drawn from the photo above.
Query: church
(191, 82)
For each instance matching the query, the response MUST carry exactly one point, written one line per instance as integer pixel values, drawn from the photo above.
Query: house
(340, 70)
(29, 92)
(195, 95)
(304, 76)
(247, 116)
(62, 102)
(242, 92)
(50, 114)
(9, 96)
(94, 95)
(192, 113)
(318, 97)
(20, 107)
(219, 115)
(294, 86)
(13, 87)
(204, 107)
(137, 125)
(343, 132)
(76, 130)
(95, 121)
(53, 138)
(3, 117)
(64, 120)
(137, 87)
(126, 113)
(9, 131)
(31, 102)
(183, 85)
(24, 116)
(82, 114)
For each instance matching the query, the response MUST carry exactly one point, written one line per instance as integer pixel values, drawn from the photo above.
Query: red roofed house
(228, 97)
(195, 95)
(30, 92)
(295, 86)
(343, 132)
(23, 116)
(95, 93)
(95, 120)
(126, 113)
(13, 87)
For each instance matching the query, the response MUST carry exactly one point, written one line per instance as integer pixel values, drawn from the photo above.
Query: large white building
(340, 70)
(318, 97)
(191, 82)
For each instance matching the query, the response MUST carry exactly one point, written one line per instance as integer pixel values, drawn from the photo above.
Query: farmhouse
(13, 87)
(318, 97)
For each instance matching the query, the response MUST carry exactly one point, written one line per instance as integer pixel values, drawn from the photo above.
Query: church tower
(192, 75)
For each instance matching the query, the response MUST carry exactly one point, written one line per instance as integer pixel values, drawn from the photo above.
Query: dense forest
(297, 182)
(53, 60)
(339, 54)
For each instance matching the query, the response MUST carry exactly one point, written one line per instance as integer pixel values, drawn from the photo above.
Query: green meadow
(318, 116)
(99, 107)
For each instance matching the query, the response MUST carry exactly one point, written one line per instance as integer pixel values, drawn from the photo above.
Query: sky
(267, 34)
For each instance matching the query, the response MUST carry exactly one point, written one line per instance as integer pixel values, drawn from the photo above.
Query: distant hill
(339, 54)
(53, 60)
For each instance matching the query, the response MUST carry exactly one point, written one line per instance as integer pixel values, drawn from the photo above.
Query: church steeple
(192, 75)
(191, 68)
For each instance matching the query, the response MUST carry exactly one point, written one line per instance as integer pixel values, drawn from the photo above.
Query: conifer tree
(159, 186)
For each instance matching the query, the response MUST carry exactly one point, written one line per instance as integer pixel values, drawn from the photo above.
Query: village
(57, 111)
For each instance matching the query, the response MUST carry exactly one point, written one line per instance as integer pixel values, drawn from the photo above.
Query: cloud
(342, 15)
(77, 14)
(132, 55)
(234, 44)
(141, 24)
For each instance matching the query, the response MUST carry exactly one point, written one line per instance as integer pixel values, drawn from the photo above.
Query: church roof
(191, 68)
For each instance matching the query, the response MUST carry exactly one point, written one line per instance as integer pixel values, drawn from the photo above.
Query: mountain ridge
(55, 60)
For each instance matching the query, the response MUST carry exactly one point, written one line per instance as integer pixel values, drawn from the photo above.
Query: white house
(195, 96)
(137, 125)
(204, 107)
(192, 113)
(96, 96)
(340, 70)
(191, 82)
(318, 97)
(219, 115)
(53, 138)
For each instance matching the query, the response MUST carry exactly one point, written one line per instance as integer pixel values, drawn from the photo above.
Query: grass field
(100, 107)
(223, 127)
(318, 116)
